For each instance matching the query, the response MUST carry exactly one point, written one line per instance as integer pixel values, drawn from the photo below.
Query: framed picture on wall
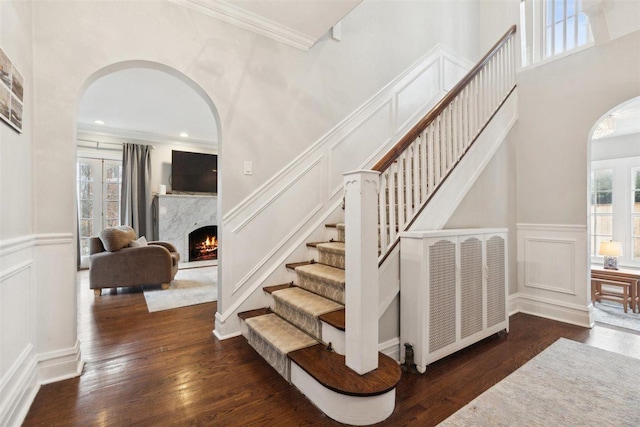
(11, 93)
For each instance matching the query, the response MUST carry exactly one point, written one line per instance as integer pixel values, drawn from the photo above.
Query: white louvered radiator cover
(453, 290)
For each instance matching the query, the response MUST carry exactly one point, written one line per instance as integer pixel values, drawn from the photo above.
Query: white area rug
(568, 384)
(191, 286)
(612, 313)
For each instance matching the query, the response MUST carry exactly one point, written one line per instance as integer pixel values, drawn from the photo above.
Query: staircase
(302, 336)
(320, 331)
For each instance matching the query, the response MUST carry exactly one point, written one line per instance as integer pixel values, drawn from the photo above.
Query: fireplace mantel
(177, 215)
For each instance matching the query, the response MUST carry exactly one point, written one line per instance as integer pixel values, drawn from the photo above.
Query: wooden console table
(627, 283)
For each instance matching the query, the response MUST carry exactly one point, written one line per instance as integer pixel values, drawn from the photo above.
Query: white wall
(18, 317)
(560, 103)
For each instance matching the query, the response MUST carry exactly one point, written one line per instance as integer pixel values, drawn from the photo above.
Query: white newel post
(361, 270)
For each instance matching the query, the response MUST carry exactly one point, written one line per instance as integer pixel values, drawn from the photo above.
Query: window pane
(571, 7)
(112, 222)
(603, 225)
(113, 210)
(571, 36)
(86, 172)
(583, 29)
(113, 192)
(86, 190)
(84, 247)
(636, 203)
(113, 173)
(636, 248)
(86, 209)
(604, 180)
(86, 228)
(636, 226)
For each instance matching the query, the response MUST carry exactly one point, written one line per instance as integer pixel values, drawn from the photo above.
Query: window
(615, 207)
(552, 27)
(99, 183)
(601, 208)
(635, 215)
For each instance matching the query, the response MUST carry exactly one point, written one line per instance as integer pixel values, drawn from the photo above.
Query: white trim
(18, 268)
(247, 20)
(391, 348)
(18, 388)
(53, 239)
(529, 284)
(60, 365)
(16, 244)
(551, 227)
(574, 314)
(221, 337)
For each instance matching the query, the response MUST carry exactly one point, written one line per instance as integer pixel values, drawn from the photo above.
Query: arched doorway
(144, 103)
(614, 200)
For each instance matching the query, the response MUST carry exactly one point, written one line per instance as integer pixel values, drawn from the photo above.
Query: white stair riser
(335, 337)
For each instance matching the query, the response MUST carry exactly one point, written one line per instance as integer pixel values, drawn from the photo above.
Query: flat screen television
(194, 172)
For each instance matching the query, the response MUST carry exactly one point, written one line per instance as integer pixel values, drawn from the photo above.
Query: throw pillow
(142, 241)
(116, 238)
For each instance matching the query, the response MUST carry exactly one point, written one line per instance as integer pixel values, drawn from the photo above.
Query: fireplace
(203, 243)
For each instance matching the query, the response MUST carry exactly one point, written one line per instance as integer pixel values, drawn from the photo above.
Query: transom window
(552, 27)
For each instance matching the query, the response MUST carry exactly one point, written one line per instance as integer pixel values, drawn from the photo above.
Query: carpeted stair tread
(281, 334)
(272, 289)
(306, 302)
(334, 318)
(323, 272)
(332, 247)
(329, 369)
(253, 313)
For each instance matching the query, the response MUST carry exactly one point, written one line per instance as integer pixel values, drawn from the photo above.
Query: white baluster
(431, 167)
(424, 171)
(401, 184)
(382, 207)
(392, 201)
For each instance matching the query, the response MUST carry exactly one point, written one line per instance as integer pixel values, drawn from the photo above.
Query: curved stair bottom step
(353, 410)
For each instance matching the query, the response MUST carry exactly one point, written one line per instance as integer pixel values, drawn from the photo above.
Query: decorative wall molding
(553, 271)
(242, 18)
(18, 388)
(309, 189)
(153, 137)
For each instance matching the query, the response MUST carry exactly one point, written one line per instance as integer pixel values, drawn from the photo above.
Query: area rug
(612, 313)
(568, 384)
(190, 286)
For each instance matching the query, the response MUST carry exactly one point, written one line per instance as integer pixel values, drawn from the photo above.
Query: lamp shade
(610, 249)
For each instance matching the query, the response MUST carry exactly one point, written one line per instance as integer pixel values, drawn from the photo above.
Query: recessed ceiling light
(184, 135)
(98, 122)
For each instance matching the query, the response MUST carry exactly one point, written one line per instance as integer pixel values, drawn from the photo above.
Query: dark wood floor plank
(167, 369)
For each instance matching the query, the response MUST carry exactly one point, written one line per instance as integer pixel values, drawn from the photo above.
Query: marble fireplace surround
(177, 215)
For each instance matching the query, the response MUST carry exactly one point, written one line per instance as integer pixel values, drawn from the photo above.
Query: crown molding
(144, 136)
(250, 21)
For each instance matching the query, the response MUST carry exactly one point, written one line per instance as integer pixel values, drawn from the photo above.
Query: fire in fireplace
(203, 244)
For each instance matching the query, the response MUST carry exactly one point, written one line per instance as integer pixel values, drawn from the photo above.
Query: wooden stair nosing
(272, 289)
(334, 318)
(293, 265)
(332, 225)
(254, 313)
(329, 369)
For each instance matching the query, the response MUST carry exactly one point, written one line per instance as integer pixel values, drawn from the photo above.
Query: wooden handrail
(411, 136)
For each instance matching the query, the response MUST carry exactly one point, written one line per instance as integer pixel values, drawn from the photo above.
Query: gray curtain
(136, 192)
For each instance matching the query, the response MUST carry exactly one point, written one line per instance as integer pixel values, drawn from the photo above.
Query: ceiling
(144, 103)
(622, 120)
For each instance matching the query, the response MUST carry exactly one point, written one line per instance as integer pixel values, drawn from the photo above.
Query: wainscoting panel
(18, 361)
(553, 272)
(271, 224)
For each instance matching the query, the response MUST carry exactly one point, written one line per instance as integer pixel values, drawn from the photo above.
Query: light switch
(248, 167)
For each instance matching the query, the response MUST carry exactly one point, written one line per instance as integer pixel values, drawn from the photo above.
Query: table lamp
(611, 251)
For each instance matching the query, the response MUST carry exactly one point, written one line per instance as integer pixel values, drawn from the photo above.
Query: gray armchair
(114, 263)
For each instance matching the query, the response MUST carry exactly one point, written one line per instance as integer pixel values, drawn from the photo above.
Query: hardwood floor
(167, 369)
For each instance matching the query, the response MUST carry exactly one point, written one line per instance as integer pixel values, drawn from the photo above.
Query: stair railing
(402, 183)
(419, 163)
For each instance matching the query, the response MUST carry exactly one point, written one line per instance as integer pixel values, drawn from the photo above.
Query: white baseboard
(551, 309)
(19, 388)
(391, 348)
(60, 364)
